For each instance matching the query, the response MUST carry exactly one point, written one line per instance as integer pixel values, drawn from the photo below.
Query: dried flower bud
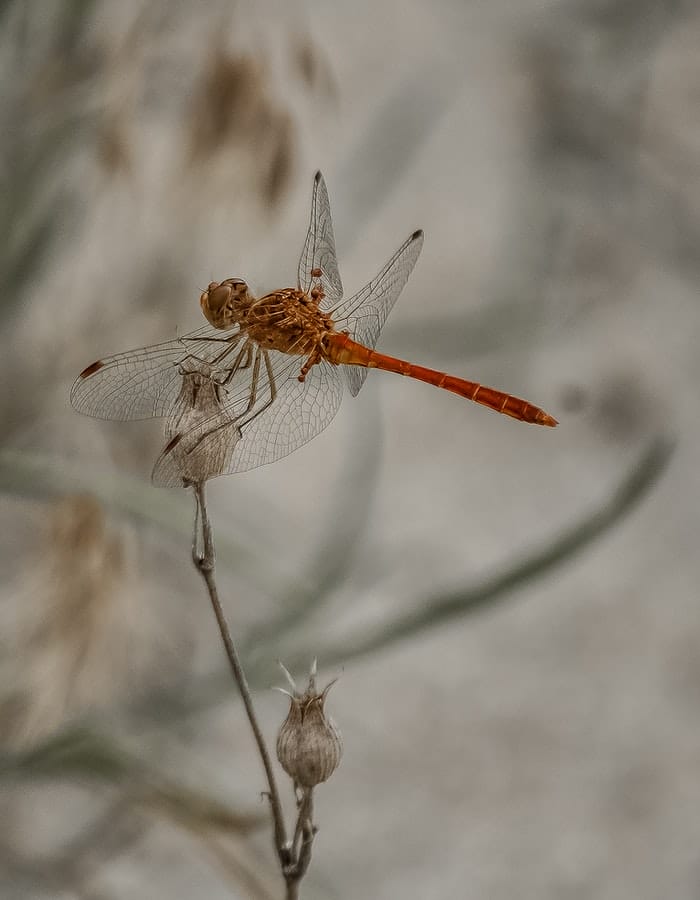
(309, 746)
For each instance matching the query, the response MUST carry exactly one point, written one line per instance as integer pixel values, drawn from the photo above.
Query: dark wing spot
(91, 369)
(172, 444)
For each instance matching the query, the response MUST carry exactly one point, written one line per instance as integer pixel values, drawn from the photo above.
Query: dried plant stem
(204, 560)
(303, 837)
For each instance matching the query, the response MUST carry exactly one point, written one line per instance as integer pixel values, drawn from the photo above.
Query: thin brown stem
(308, 832)
(304, 834)
(296, 840)
(204, 561)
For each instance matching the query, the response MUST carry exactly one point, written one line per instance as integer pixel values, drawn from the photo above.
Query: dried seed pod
(202, 433)
(309, 746)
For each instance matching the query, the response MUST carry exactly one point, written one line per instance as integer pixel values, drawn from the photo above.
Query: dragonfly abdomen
(341, 349)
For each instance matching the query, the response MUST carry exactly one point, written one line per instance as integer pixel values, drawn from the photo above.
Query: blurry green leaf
(78, 751)
(35, 203)
(83, 752)
(194, 809)
(28, 223)
(72, 24)
(437, 610)
(21, 263)
(403, 121)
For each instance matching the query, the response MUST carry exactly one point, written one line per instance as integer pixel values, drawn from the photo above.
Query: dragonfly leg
(270, 377)
(271, 384)
(231, 344)
(237, 420)
(254, 384)
(314, 358)
(242, 361)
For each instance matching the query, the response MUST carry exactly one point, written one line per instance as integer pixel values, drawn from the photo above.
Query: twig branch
(204, 560)
(305, 825)
(304, 834)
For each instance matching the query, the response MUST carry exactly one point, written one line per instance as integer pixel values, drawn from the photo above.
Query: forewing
(364, 314)
(140, 384)
(284, 414)
(319, 248)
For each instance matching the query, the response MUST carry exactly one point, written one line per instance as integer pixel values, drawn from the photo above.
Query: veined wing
(140, 384)
(319, 248)
(365, 313)
(265, 414)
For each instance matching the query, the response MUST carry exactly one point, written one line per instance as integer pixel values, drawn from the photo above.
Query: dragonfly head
(222, 302)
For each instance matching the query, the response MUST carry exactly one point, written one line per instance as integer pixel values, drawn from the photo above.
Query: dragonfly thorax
(223, 302)
(288, 320)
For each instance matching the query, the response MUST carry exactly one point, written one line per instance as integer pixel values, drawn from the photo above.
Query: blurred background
(512, 610)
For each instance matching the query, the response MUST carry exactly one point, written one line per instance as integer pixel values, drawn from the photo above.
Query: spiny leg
(253, 384)
(271, 385)
(251, 402)
(248, 357)
(231, 344)
(314, 358)
(238, 364)
(317, 293)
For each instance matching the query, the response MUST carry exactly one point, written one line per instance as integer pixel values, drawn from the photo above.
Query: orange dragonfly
(264, 376)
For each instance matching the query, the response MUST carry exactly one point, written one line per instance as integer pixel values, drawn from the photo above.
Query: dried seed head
(309, 746)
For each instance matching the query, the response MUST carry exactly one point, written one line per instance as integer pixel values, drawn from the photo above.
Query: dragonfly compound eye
(238, 287)
(218, 301)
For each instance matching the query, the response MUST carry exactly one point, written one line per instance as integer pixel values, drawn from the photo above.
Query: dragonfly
(263, 376)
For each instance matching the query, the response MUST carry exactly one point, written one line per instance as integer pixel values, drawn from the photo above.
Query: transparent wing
(299, 412)
(365, 313)
(319, 248)
(140, 384)
(266, 413)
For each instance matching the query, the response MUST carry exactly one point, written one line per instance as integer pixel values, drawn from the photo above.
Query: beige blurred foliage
(79, 599)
